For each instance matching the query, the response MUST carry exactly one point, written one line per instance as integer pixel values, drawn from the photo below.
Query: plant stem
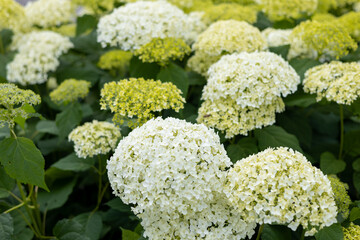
(15, 207)
(302, 235)
(341, 131)
(101, 189)
(260, 231)
(33, 198)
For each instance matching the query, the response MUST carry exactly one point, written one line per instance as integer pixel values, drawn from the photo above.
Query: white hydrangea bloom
(135, 24)
(280, 186)
(48, 13)
(171, 169)
(276, 37)
(251, 79)
(38, 54)
(94, 138)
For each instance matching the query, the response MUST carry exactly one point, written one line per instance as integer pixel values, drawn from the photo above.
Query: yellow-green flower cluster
(116, 61)
(335, 81)
(352, 232)
(94, 138)
(342, 198)
(162, 50)
(320, 40)
(243, 2)
(139, 97)
(224, 37)
(325, 5)
(344, 3)
(278, 10)
(280, 186)
(12, 15)
(227, 11)
(97, 6)
(12, 100)
(228, 117)
(323, 17)
(49, 13)
(351, 22)
(70, 90)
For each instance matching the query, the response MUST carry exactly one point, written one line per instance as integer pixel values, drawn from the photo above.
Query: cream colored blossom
(335, 81)
(320, 40)
(172, 172)
(276, 37)
(136, 24)
(70, 90)
(38, 54)
(48, 13)
(94, 138)
(280, 186)
(352, 232)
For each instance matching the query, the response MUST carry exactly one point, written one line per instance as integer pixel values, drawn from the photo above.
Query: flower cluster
(38, 54)
(342, 198)
(94, 138)
(281, 186)
(136, 24)
(70, 90)
(115, 61)
(335, 81)
(224, 37)
(323, 17)
(162, 50)
(12, 99)
(351, 22)
(278, 10)
(12, 15)
(139, 97)
(320, 40)
(352, 232)
(276, 37)
(48, 13)
(173, 172)
(96, 6)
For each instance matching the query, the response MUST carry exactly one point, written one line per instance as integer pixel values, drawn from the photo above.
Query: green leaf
(275, 232)
(58, 195)
(329, 164)
(68, 119)
(67, 229)
(85, 23)
(274, 136)
(23, 161)
(129, 235)
(23, 234)
(146, 70)
(281, 50)
(334, 232)
(352, 57)
(354, 214)
(46, 126)
(6, 226)
(176, 75)
(196, 79)
(242, 149)
(92, 224)
(73, 163)
(356, 165)
(300, 99)
(262, 21)
(118, 205)
(355, 107)
(301, 65)
(352, 143)
(6, 37)
(6, 183)
(356, 181)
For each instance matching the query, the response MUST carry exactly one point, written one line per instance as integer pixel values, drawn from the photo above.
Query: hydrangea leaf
(302, 65)
(69, 229)
(6, 227)
(92, 224)
(46, 126)
(334, 232)
(129, 235)
(242, 149)
(23, 161)
(68, 119)
(6, 183)
(176, 75)
(146, 70)
(85, 23)
(275, 232)
(354, 214)
(356, 165)
(329, 164)
(73, 163)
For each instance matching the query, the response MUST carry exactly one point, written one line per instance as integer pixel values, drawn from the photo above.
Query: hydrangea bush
(180, 120)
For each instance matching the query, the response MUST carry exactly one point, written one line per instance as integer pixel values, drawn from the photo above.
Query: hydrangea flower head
(335, 81)
(173, 172)
(278, 10)
(12, 15)
(162, 50)
(139, 97)
(351, 22)
(281, 186)
(12, 99)
(115, 61)
(94, 138)
(96, 6)
(352, 232)
(70, 90)
(342, 198)
(38, 54)
(136, 24)
(276, 37)
(48, 13)
(251, 79)
(320, 40)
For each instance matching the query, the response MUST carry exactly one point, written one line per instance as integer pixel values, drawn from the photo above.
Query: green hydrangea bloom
(96, 6)
(13, 101)
(139, 97)
(320, 40)
(278, 10)
(352, 232)
(115, 61)
(325, 5)
(12, 16)
(342, 198)
(335, 81)
(162, 50)
(323, 17)
(351, 22)
(70, 90)
(243, 2)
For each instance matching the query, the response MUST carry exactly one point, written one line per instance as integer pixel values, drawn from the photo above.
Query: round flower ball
(94, 138)
(280, 186)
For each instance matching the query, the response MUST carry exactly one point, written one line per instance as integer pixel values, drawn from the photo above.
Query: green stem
(27, 221)
(15, 207)
(14, 196)
(36, 208)
(12, 133)
(302, 235)
(341, 131)
(260, 231)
